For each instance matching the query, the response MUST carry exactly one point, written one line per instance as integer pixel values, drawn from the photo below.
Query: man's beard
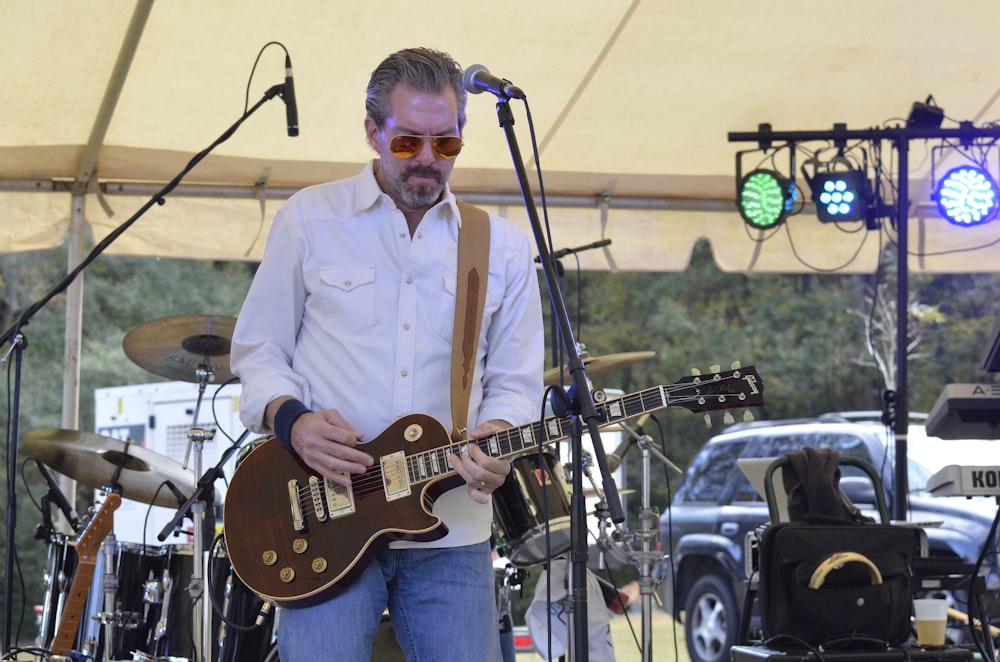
(417, 196)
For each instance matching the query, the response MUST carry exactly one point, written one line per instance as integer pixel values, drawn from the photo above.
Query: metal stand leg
(645, 538)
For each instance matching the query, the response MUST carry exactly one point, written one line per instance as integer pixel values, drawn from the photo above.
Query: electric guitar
(293, 536)
(87, 546)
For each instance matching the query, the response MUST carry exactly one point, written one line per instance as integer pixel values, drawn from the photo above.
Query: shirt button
(403, 373)
(409, 280)
(347, 283)
(406, 327)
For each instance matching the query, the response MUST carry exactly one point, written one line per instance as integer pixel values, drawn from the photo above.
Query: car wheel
(711, 619)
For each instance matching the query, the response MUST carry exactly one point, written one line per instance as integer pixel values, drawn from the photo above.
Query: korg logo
(985, 479)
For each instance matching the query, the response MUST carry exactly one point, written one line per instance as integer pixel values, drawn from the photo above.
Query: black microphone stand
(18, 342)
(582, 405)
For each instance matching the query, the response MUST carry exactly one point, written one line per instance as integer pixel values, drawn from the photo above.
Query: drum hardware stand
(513, 577)
(54, 578)
(203, 494)
(646, 536)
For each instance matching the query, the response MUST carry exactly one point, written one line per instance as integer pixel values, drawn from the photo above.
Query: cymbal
(94, 460)
(179, 347)
(599, 365)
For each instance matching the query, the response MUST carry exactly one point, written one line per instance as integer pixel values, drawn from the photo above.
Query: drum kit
(117, 600)
(148, 603)
(532, 507)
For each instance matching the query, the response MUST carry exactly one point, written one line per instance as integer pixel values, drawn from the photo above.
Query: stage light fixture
(839, 196)
(764, 199)
(967, 195)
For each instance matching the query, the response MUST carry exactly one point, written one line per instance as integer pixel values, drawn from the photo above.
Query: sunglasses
(405, 147)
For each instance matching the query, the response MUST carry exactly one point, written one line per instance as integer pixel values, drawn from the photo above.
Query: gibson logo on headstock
(751, 381)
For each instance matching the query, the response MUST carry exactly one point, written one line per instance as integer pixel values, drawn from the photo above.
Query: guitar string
(371, 481)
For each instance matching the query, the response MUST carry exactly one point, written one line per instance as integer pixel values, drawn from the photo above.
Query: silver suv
(705, 529)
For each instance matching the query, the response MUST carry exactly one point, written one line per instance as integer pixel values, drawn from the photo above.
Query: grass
(668, 641)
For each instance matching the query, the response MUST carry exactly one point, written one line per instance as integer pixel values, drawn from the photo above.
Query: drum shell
(533, 498)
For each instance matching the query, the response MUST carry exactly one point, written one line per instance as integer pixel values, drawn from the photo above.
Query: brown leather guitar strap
(470, 299)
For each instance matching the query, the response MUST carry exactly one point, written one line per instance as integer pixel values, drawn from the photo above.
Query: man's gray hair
(422, 69)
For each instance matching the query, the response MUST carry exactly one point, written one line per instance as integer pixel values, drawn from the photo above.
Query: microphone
(616, 456)
(478, 78)
(563, 252)
(61, 501)
(288, 95)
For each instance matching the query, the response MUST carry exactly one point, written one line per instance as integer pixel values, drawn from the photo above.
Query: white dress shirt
(347, 312)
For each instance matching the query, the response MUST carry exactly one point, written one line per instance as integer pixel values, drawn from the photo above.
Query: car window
(780, 443)
(708, 476)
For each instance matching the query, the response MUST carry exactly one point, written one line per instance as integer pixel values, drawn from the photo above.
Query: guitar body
(304, 566)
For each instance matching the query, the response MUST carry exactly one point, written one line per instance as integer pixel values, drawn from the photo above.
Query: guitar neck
(76, 602)
(736, 388)
(87, 546)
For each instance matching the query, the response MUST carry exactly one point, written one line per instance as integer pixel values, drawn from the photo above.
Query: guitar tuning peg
(728, 418)
(715, 368)
(735, 365)
(747, 415)
(695, 371)
(708, 420)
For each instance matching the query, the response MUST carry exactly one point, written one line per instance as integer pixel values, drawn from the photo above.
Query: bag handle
(836, 561)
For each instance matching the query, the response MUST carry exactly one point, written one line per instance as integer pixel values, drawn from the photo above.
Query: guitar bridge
(395, 480)
(298, 523)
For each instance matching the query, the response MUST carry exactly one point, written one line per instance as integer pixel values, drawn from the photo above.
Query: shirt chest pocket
(442, 313)
(345, 298)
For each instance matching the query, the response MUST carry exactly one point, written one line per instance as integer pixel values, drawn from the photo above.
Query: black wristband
(284, 419)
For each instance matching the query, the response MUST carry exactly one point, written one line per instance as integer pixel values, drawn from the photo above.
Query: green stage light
(967, 196)
(839, 196)
(764, 199)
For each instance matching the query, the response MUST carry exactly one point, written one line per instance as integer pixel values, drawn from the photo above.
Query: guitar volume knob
(286, 575)
(299, 545)
(270, 557)
(319, 565)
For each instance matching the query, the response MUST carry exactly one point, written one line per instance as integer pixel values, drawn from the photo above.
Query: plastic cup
(931, 615)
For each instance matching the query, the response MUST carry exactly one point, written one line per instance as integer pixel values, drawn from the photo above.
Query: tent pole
(88, 161)
(74, 333)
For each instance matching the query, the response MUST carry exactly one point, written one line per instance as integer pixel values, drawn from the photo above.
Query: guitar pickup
(395, 480)
(318, 508)
(339, 499)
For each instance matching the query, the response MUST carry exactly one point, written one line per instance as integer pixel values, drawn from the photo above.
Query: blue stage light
(839, 196)
(967, 195)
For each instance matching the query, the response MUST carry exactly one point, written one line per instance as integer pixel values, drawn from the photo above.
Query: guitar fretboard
(432, 464)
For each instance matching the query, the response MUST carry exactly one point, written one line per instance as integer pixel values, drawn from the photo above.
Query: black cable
(216, 607)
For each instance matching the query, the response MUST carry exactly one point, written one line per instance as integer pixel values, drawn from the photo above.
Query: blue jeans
(442, 603)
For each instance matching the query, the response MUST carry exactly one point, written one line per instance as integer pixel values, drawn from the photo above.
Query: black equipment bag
(820, 582)
(833, 574)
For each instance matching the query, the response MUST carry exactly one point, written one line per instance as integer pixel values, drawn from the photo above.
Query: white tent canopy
(632, 101)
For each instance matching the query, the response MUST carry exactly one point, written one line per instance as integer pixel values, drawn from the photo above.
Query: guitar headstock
(731, 389)
(99, 526)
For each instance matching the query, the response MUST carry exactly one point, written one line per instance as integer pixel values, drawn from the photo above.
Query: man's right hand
(326, 442)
